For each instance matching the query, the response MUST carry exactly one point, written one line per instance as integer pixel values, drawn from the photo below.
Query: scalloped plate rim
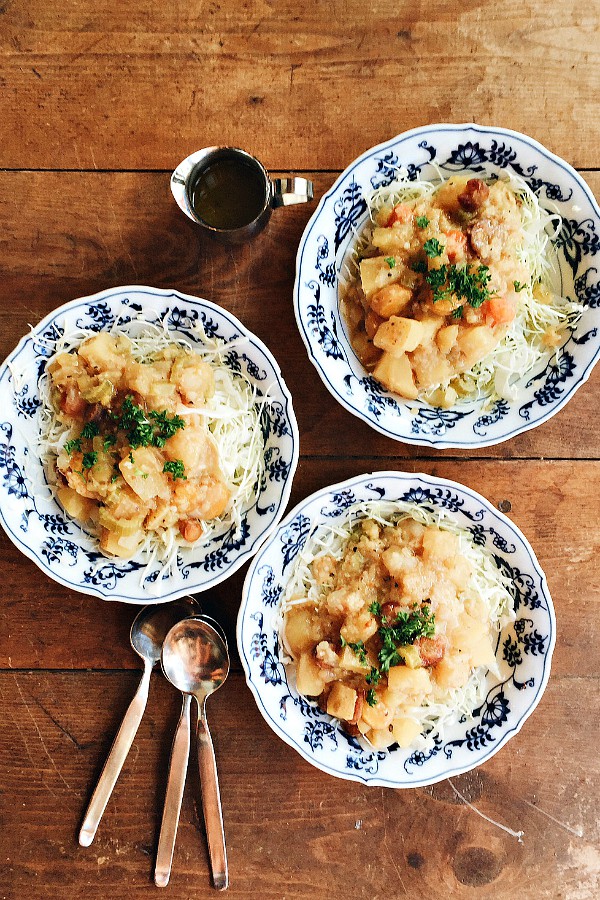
(259, 540)
(376, 780)
(433, 441)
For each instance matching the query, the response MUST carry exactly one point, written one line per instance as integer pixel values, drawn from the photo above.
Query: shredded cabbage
(487, 583)
(233, 418)
(495, 376)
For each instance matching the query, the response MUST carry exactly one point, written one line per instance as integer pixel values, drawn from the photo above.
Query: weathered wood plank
(554, 504)
(292, 831)
(108, 86)
(70, 234)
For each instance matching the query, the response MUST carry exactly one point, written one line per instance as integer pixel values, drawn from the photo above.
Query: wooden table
(98, 103)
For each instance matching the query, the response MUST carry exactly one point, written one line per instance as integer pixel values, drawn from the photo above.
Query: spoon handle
(175, 784)
(115, 759)
(211, 804)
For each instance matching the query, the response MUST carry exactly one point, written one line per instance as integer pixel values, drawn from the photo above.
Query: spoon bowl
(148, 631)
(195, 659)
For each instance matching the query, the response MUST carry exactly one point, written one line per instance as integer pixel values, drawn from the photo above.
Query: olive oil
(228, 193)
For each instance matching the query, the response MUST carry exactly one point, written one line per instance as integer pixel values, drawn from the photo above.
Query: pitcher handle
(287, 191)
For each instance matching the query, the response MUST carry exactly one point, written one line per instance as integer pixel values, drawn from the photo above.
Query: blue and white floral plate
(523, 651)
(426, 152)
(36, 523)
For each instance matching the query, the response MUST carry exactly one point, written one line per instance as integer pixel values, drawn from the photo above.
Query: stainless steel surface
(195, 659)
(178, 765)
(147, 634)
(278, 192)
(175, 784)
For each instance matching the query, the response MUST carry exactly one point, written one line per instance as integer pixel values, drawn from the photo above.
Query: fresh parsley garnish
(422, 221)
(408, 627)
(89, 459)
(460, 281)
(72, 446)
(167, 425)
(90, 430)
(375, 608)
(433, 248)
(144, 431)
(373, 677)
(359, 649)
(175, 468)
(420, 266)
(390, 261)
(371, 697)
(457, 313)
(519, 287)
(109, 441)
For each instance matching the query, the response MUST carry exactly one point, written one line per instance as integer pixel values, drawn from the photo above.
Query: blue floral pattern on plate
(342, 213)
(58, 545)
(524, 649)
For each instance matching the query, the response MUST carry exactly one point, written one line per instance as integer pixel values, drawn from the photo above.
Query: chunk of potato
(391, 300)
(475, 342)
(124, 547)
(310, 678)
(430, 366)
(380, 738)
(446, 338)
(452, 671)
(482, 654)
(413, 682)
(341, 701)
(405, 730)
(399, 335)
(375, 273)
(377, 716)
(81, 508)
(399, 560)
(459, 572)
(143, 472)
(351, 663)
(439, 544)
(396, 374)
(299, 628)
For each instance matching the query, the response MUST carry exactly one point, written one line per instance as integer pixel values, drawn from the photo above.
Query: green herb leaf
(457, 313)
(72, 446)
(89, 460)
(390, 261)
(422, 221)
(375, 608)
(420, 266)
(109, 441)
(90, 430)
(472, 287)
(175, 468)
(433, 248)
(371, 697)
(374, 676)
(358, 649)
(519, 287)
(408, 627)
(167, 425)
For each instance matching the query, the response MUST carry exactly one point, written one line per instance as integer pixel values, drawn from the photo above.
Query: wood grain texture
(54, 628)
(71, 234)
(127, 86)
(292, 832)
(98, 103)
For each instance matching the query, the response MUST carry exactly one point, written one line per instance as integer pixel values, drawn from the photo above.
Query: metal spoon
(178, 764)
(195, 659)
(147, 634)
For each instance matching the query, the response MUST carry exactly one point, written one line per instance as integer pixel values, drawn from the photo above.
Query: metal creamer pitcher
(229, 193)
